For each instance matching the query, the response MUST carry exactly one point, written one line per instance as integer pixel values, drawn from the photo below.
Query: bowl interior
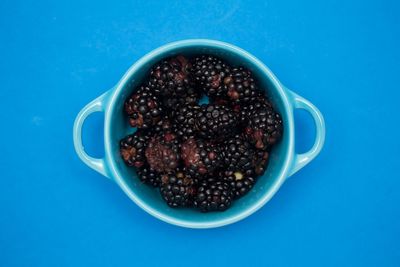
(149, 198)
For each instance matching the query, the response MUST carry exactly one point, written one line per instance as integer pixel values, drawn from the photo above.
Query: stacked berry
(202, 156)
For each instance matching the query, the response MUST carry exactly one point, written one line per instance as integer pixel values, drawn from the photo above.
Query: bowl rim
(270, 192)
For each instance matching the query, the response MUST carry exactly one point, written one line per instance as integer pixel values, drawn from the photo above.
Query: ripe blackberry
(200, 157)
(240, 155)
(264, 127)
(162, 152)
(177, 189)
(208, 73)
(143, 108)
(239, 183)
(213, 195)
(185, 121)
(161, 127)
(170, 80)
(247, 110)
(215, 121)
(170, 76)
(149, 176)
(132, 149)
(240, 86)
(175, 101)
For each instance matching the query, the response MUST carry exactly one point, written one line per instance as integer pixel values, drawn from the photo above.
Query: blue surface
(341, 210)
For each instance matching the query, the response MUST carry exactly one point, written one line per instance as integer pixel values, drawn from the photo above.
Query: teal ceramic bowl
(284, 161)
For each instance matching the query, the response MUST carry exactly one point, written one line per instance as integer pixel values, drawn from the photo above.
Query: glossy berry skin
(132, 149)
(185, 121)
(170, 76)
(173, 102)
(240, 86)
(216, 121)
(239, 183)
(162, 153)
(143, 108)
(238, 154)
(148, 176)
(169, 79)
(209, 72)
(245, 110)
(201, 158)
(264, 127)
(213, 195)
(177, 189)
(162, 127)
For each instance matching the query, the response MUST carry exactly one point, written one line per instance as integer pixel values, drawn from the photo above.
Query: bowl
(284, 161)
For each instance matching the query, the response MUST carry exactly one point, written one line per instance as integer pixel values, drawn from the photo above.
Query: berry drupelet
(240, 155)
(170, 80)
(143, 108)
(239, 183)
(216, 121)
(213, 195)
(200, 157)
(170, 77)
(149, 176)
(162, 153)
(177, 189)
(185, 121)
(161, 127)
(264, 127)
(132, 149)
(209, 72)
(240, 85)
(175, 101)
(246, 110)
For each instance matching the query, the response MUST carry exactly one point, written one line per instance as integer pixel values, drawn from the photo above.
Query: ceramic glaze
(283, 163)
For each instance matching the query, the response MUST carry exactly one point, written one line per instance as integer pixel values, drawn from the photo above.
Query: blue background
(341, 210)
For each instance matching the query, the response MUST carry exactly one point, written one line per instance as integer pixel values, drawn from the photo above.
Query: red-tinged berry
(143, 108)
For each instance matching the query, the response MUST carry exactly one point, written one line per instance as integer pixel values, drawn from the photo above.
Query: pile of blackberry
(200, 155)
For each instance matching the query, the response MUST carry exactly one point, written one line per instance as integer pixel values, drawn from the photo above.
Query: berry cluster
(203, 156)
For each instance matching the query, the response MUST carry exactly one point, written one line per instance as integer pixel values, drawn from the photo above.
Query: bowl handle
(300, 160)
(97, 105)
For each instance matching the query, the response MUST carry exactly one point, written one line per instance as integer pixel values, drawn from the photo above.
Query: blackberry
(185, 121)
(240, 86)
(213, 195)
(162, 152)
(264, 127)
(170, 80)
(177, 189)
(132, 149)
(215, 121)
(240, 155)
(149, 176)
(161, 127)
(170, 77)
(143, 108)
(247, 110)
(200, 157)
(175, 101)
(239, 183)
(209, 72)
